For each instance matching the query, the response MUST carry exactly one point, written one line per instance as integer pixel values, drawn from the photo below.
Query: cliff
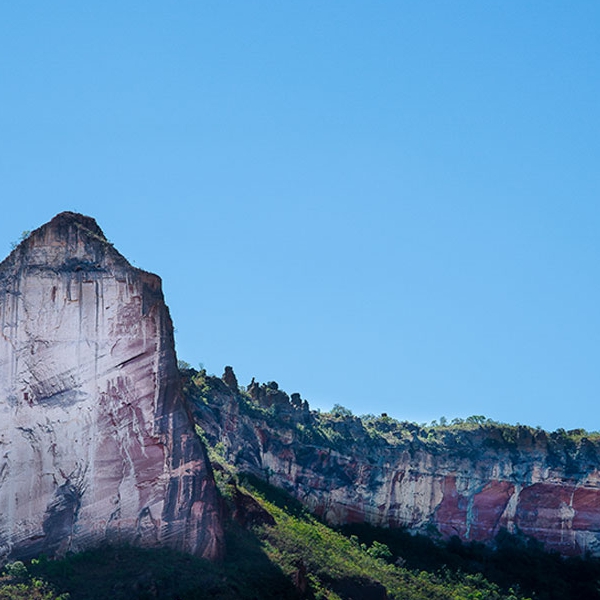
(96, 444)
(469, 480)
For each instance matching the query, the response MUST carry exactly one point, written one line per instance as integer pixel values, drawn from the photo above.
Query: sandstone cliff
(469, 480)
(95, 441)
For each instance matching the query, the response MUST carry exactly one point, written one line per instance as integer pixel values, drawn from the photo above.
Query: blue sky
(393, 206)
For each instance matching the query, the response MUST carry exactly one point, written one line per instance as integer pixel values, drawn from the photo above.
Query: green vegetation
(339, 428)
(196, 385)
(511, 562)
(126, 573)
(340, 411)
(24, 235)
(16, 583)
(332, 565)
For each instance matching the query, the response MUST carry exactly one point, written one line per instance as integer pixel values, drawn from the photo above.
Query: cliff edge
(469, 480)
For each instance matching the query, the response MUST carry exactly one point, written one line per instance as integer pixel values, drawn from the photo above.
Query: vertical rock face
(469, 483)
(95, 441)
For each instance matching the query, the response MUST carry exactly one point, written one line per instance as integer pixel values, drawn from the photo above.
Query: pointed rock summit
(96, 444)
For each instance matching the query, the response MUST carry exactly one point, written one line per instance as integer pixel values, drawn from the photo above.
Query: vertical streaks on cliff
(93, 416)
(470, 482)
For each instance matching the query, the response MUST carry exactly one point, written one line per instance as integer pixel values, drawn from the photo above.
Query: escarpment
(470, 480)
(96, 443)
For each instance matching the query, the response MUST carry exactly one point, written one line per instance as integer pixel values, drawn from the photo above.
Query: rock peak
(69, 241)
(64, 225)
(73, 219)
(97, 443)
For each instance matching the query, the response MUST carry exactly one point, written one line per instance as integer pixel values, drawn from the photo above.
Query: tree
(341, 411)
(477, 419)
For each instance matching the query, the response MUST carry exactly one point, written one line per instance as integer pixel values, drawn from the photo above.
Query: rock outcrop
(469, 481)
(96, 443)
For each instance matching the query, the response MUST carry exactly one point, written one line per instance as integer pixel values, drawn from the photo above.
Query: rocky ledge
(469, 480)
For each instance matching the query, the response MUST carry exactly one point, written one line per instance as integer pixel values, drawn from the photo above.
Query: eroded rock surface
(95, 441)
(469, 482)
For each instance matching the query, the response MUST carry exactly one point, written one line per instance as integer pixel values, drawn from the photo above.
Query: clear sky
(394, 206)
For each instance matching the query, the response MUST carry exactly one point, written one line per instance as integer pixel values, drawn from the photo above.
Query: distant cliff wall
(468, 481)
(95, 441)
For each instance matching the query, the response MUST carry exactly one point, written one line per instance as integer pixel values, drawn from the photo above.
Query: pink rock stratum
(95, 442)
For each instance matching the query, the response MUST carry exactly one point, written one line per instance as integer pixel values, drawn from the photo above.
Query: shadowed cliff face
(95, 441)
(470, 482)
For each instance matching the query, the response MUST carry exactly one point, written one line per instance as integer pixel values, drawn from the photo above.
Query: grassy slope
(335, 562)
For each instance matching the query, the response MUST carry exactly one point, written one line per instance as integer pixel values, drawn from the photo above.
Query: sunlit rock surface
(469, 483)
(95, 441)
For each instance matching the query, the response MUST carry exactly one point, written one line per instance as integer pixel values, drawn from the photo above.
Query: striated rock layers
(96, 444)
(470, 481)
